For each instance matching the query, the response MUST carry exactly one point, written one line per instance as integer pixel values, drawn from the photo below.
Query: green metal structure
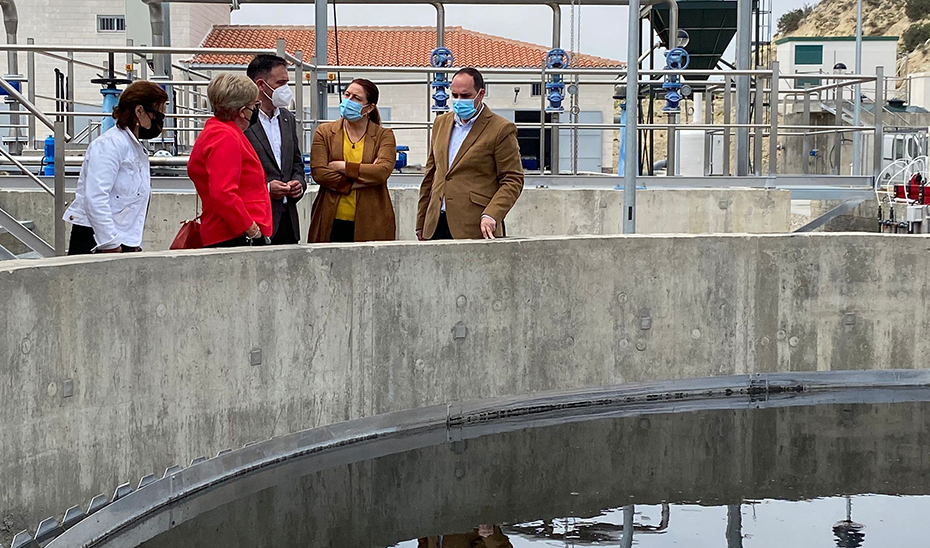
(711, 25)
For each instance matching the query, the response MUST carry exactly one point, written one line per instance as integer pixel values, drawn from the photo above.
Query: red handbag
(188, 237)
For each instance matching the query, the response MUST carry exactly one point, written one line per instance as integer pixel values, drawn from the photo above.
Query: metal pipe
(727, 103)
(69, 91)
(857, 92)
(299, 95)
(631, 158)
(773, 120)
(26, 171)
(805, 139)
(11, 91)
(708, 139)
(879, 130)
(79, 63)
(321, 53)
(11, 23)
(440, 24)
(60, 139)
(734, 526)
(31, 82)
(757, 138)
(743, 62)
(628, 511)
(157, 20)
(553, 133)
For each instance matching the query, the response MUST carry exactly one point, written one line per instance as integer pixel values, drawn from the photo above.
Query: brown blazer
(486, 177)
(374, 214)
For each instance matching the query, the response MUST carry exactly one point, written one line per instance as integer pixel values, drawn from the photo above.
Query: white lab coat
(112, 195)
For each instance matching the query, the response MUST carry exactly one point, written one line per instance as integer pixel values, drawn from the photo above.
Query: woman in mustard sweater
(351, 159)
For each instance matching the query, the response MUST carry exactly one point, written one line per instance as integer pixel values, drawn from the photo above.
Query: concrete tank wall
(539, 212)
(111, 368)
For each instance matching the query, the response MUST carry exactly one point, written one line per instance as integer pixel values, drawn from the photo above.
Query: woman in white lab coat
(112, 196)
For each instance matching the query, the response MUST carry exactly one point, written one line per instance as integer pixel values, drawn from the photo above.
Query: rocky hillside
(838, 18)
(880, 18)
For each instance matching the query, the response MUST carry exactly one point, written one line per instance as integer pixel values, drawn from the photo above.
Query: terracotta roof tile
(386, 46)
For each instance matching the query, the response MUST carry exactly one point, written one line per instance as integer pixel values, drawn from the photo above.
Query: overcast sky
(603, 29)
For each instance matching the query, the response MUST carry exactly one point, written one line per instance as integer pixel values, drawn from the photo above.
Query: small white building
(819, 55)
(518, 98)
(99, 23)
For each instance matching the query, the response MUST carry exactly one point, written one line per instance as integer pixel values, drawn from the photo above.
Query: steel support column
(631, 159)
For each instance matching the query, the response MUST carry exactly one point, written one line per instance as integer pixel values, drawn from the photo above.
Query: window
(808, 55)
(812, 82)
(111, 23)
(537, 90)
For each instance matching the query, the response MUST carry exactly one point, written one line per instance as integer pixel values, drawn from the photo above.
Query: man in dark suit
(273, 134)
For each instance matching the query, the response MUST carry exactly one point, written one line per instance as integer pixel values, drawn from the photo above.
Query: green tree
(917, 9)
(916, 35)
(790, 21)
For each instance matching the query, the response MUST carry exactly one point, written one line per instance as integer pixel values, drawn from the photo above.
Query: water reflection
(487, 536)
(747, 478)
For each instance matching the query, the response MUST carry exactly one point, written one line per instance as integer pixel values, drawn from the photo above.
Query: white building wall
(74, 22)
(875, 53)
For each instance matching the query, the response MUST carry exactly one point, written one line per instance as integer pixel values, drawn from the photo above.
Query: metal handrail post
(631, 157)
(26, 171)
(727, 106)
(757, 137)
(31, 84)
(69, 86)
(879, 129)
(773, 120)
(708, 137)
(299, 94)
(542, 125)
(60, 139)
(30, 106)
(805, 139)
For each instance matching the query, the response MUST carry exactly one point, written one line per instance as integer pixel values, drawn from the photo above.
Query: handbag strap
(198, 211)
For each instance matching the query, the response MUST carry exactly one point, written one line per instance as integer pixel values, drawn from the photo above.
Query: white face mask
(281, 97)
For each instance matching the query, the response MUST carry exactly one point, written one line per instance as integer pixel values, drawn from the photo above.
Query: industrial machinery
(441, 58)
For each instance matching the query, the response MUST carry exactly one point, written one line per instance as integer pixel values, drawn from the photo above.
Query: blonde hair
(230, 92)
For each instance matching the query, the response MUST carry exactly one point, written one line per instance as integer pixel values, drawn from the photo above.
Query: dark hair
(475, 75)
(140, 92)
(262, 65)
(371, 94)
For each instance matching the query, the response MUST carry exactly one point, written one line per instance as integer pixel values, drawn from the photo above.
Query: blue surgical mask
(465, 108)
(350, 110)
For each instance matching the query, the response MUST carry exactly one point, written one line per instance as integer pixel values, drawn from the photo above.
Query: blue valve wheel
(441, 58)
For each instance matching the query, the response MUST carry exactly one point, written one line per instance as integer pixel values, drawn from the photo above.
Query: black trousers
(242, 241)
(285, 233)
(343, 231)
(442, 229)
(82, 241)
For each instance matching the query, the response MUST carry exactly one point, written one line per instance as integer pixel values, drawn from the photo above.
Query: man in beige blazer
(473, 174)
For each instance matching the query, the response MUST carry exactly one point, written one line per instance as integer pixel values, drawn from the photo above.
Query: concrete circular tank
(421, 473)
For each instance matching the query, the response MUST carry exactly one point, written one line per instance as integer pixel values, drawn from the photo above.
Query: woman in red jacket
(226, 170)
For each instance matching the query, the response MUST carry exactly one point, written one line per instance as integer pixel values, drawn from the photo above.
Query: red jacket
(230, 181)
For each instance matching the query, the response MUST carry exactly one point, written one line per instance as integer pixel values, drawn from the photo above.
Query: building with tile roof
(405, 97)
(387, 46)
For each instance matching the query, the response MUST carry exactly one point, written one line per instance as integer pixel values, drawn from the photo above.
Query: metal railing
(189, 105)
(191, 97)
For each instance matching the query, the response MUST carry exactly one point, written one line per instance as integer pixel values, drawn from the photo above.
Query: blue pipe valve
(556, 58)
(440, 58)
(675, 59)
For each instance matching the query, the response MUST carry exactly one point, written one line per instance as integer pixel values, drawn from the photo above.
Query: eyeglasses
(157, 115)
(253, 106)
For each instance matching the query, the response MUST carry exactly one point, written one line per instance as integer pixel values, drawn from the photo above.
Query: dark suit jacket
(292, 170)
(486, 177)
